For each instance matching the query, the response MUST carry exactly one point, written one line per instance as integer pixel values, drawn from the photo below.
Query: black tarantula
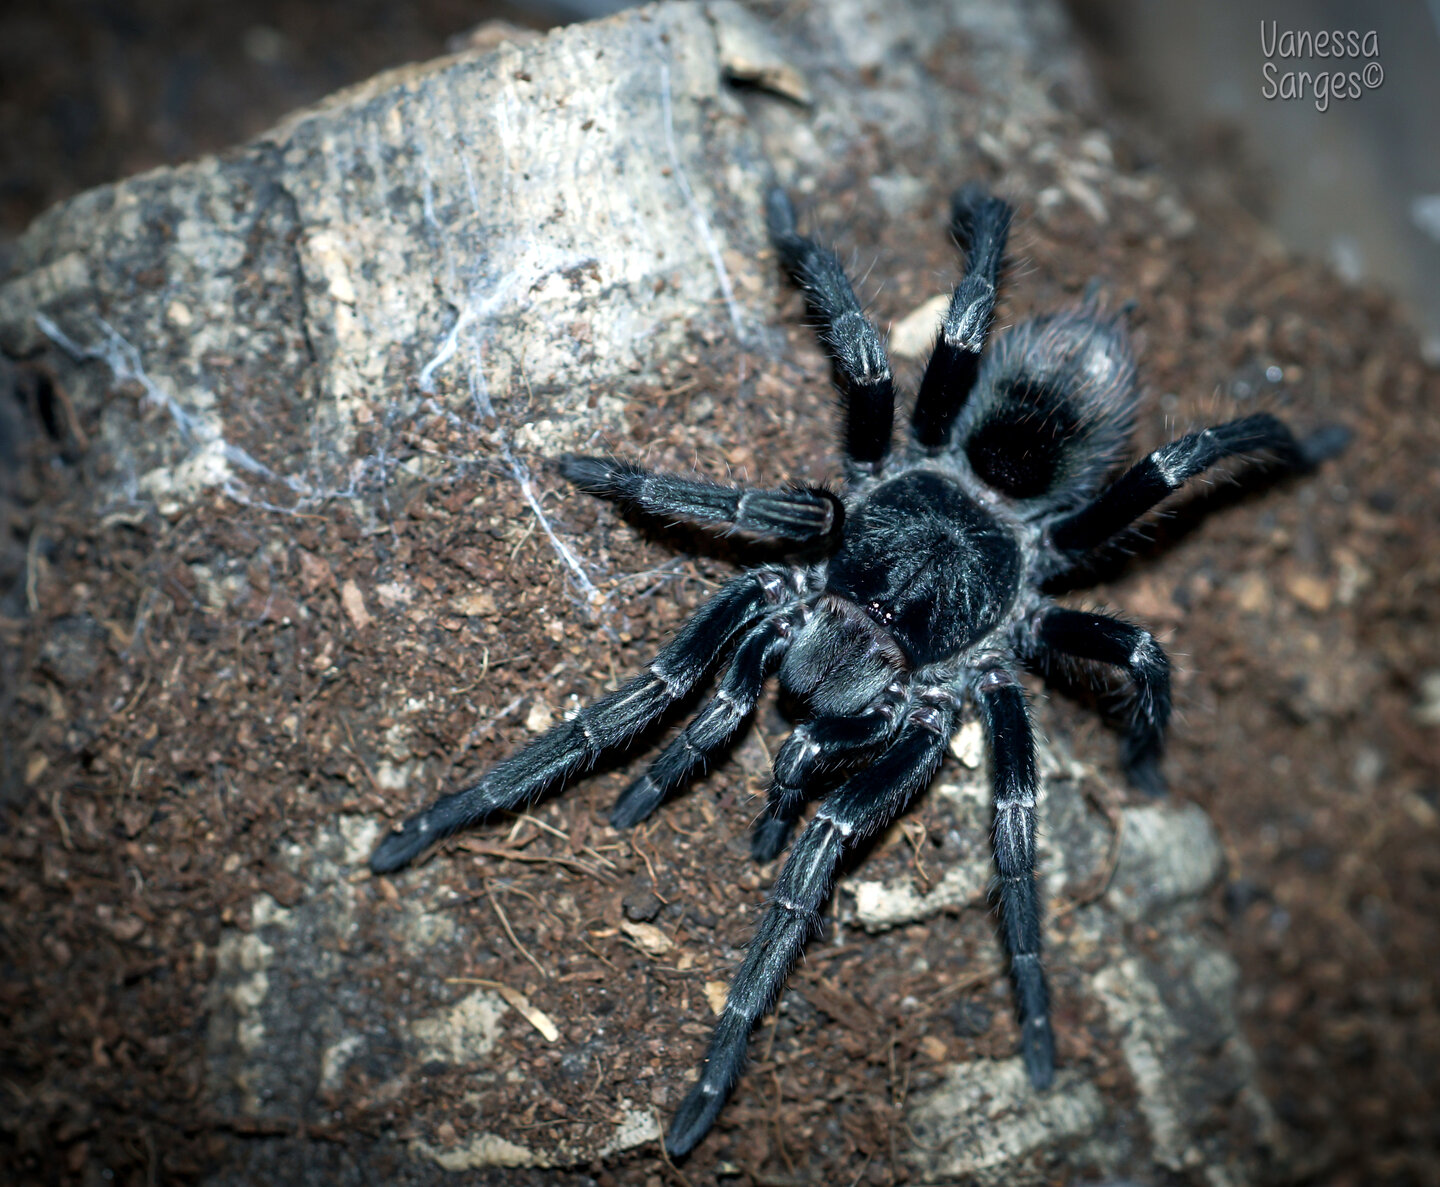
(915, 592)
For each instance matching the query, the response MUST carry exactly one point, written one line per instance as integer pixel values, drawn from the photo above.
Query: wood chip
(476, 605)
(715, 992)
(354, 603)
(843, 1008)
(648, 938)
(934, 1048)
(536, 1017)
(1311, 592)
(914, 334)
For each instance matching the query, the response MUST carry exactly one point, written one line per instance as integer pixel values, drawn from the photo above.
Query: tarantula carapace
(915, 595)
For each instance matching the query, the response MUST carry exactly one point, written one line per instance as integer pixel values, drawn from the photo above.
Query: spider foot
(1323, 444)
(1037, 1045)
(771, 835)
(421, 831)
(1144, 773)
(693, 1119)
(636, 802)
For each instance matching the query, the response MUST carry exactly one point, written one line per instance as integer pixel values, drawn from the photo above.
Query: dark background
(92, 90)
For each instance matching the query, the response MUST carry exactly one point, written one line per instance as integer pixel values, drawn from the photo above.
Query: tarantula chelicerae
(915, 592)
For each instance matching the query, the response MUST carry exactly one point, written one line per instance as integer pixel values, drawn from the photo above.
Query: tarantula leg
(862, 368)
(800, 513)
(757, 656)
(1172, 465)
(570, 747)
(814, 745)
(980, 224)
(860, 807)
(1133, 649)
(1016, 781)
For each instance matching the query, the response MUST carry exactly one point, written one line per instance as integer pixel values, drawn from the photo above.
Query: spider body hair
(926, 602)
(1052, 410)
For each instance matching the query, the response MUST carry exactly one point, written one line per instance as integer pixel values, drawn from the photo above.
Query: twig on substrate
(518, 1002)
(503, 853)
(634, 839)
(509, 931)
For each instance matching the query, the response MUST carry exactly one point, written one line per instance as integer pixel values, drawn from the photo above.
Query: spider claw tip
(399, 849)
(1038, 1049)
(692, 1121)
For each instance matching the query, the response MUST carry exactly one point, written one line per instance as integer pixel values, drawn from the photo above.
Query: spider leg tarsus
(594, 475)
(814, 745)
(799, 513)
(571, 746)
(1168, 468)
(416, 835)
(756, 657)
(860, 807)
(780, 215)
(1037, 1048)
(1016, 781)
(1144, 772)
(771, 834)
(636, 802)
(862, 368)
(1135, 652)
(1326, 442)
(980, 224)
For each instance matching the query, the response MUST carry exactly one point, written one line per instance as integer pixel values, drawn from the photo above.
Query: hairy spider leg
(811, 747)
(756, 658)
(858, 808)
(572, 746)
(1171, 466)
(1016, 781)
(862, 369)
(1135, 651)
(798, 513)
(980, 224)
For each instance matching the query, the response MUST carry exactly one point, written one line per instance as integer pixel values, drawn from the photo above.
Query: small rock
(968, 745)
(750, 53)
(315, 572)
(1310, 591)
(539, 718)
(72, 652)
(648, 938)
(641, 903)
(1252, 595)
(1167, 853)
(1427, 710)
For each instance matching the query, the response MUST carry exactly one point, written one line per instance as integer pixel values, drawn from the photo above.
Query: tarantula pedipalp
(925, 599)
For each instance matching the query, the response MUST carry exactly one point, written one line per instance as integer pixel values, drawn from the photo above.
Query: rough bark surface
(302, 567)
